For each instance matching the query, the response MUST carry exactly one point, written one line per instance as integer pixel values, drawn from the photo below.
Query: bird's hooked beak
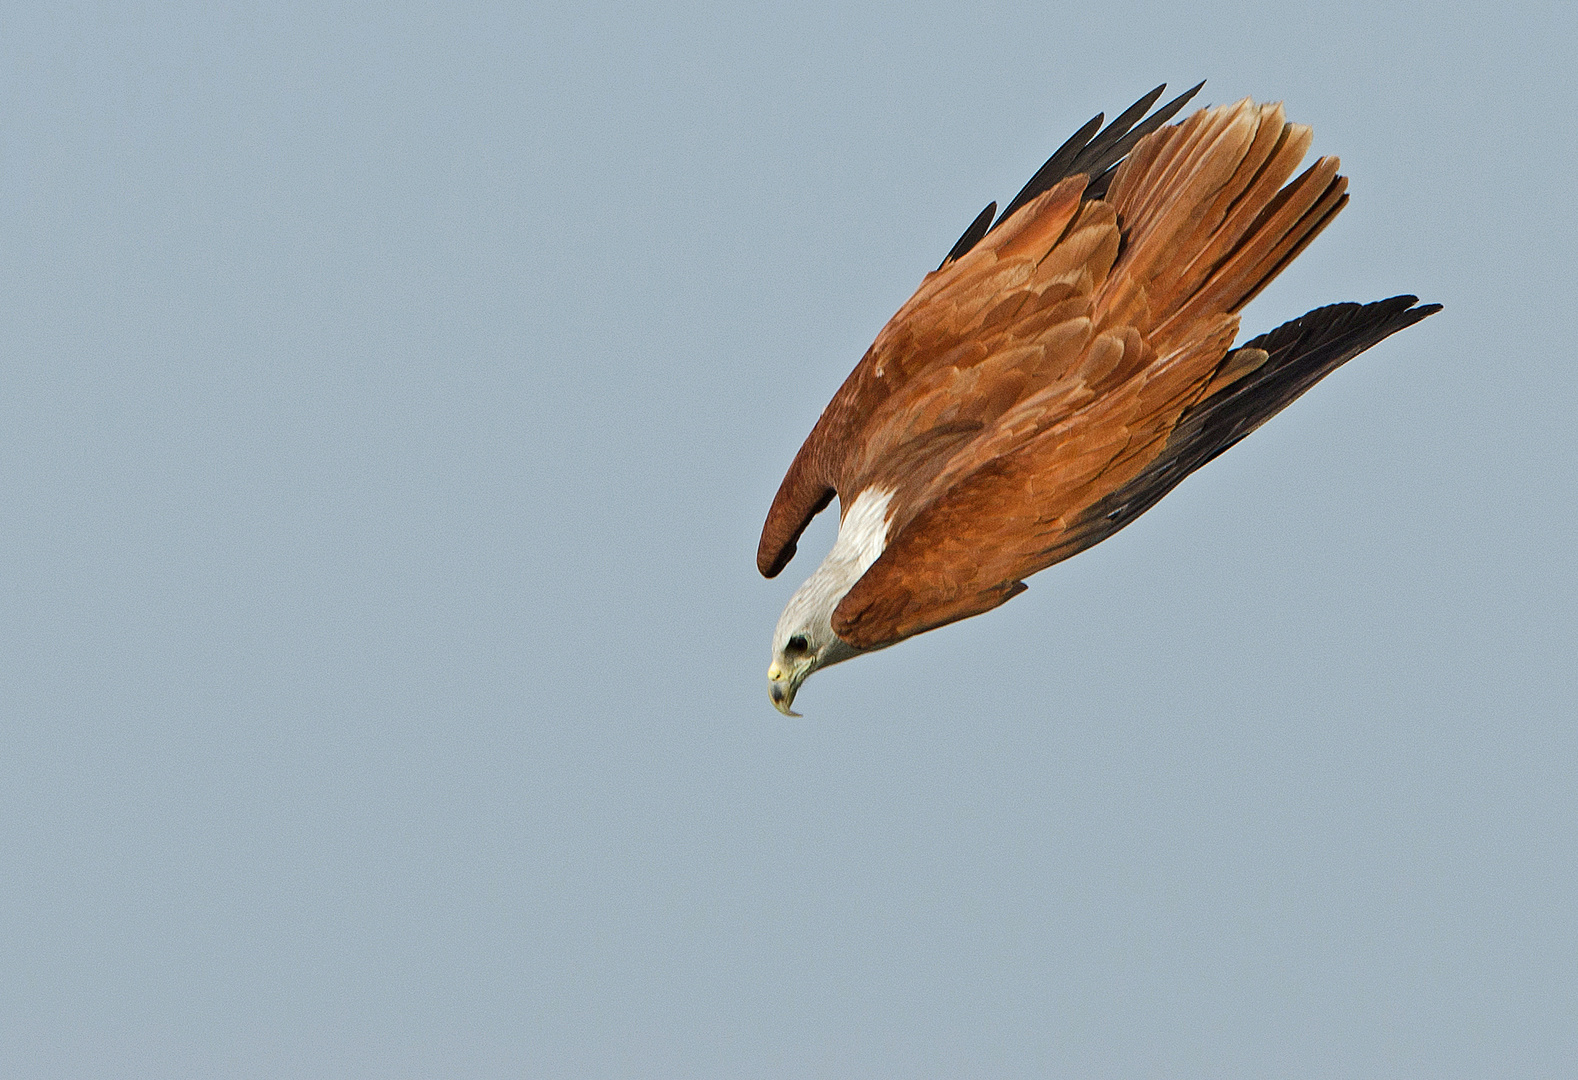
(782, 687)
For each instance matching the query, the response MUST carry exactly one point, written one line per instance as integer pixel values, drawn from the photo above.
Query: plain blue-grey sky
(390, 397)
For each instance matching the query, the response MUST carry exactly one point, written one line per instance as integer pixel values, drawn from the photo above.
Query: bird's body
(1062, 370)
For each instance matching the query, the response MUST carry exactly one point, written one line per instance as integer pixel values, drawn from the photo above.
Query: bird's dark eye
(797, 644)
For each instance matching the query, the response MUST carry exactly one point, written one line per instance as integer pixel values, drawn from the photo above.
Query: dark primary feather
(972, 236)
(1092, 150)
(1102, 159)
(1092, 154)
(1300, 354)
(1055, 168)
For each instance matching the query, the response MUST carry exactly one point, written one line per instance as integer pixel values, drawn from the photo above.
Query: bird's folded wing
(1008, 506)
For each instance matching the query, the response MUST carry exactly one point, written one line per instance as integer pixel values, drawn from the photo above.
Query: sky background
(390, 399)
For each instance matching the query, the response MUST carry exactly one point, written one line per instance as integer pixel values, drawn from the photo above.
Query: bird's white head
(804, 640)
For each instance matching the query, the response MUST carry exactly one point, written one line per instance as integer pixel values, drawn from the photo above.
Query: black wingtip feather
(972, 235)
(1092, 150)
(1097, 154)
(1055, 168)
(1103, 162)
(1127, 119)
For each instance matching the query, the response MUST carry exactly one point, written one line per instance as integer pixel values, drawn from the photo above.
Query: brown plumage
(1063, 369)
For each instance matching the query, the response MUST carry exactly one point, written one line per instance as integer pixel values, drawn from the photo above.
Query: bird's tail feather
(1207, 219)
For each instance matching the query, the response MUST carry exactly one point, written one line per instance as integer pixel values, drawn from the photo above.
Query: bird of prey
(1069, 363)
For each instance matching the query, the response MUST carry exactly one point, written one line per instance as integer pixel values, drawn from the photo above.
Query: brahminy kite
(1064, 368)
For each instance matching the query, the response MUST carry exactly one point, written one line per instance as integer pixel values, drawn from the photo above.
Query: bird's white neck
(862, 535)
